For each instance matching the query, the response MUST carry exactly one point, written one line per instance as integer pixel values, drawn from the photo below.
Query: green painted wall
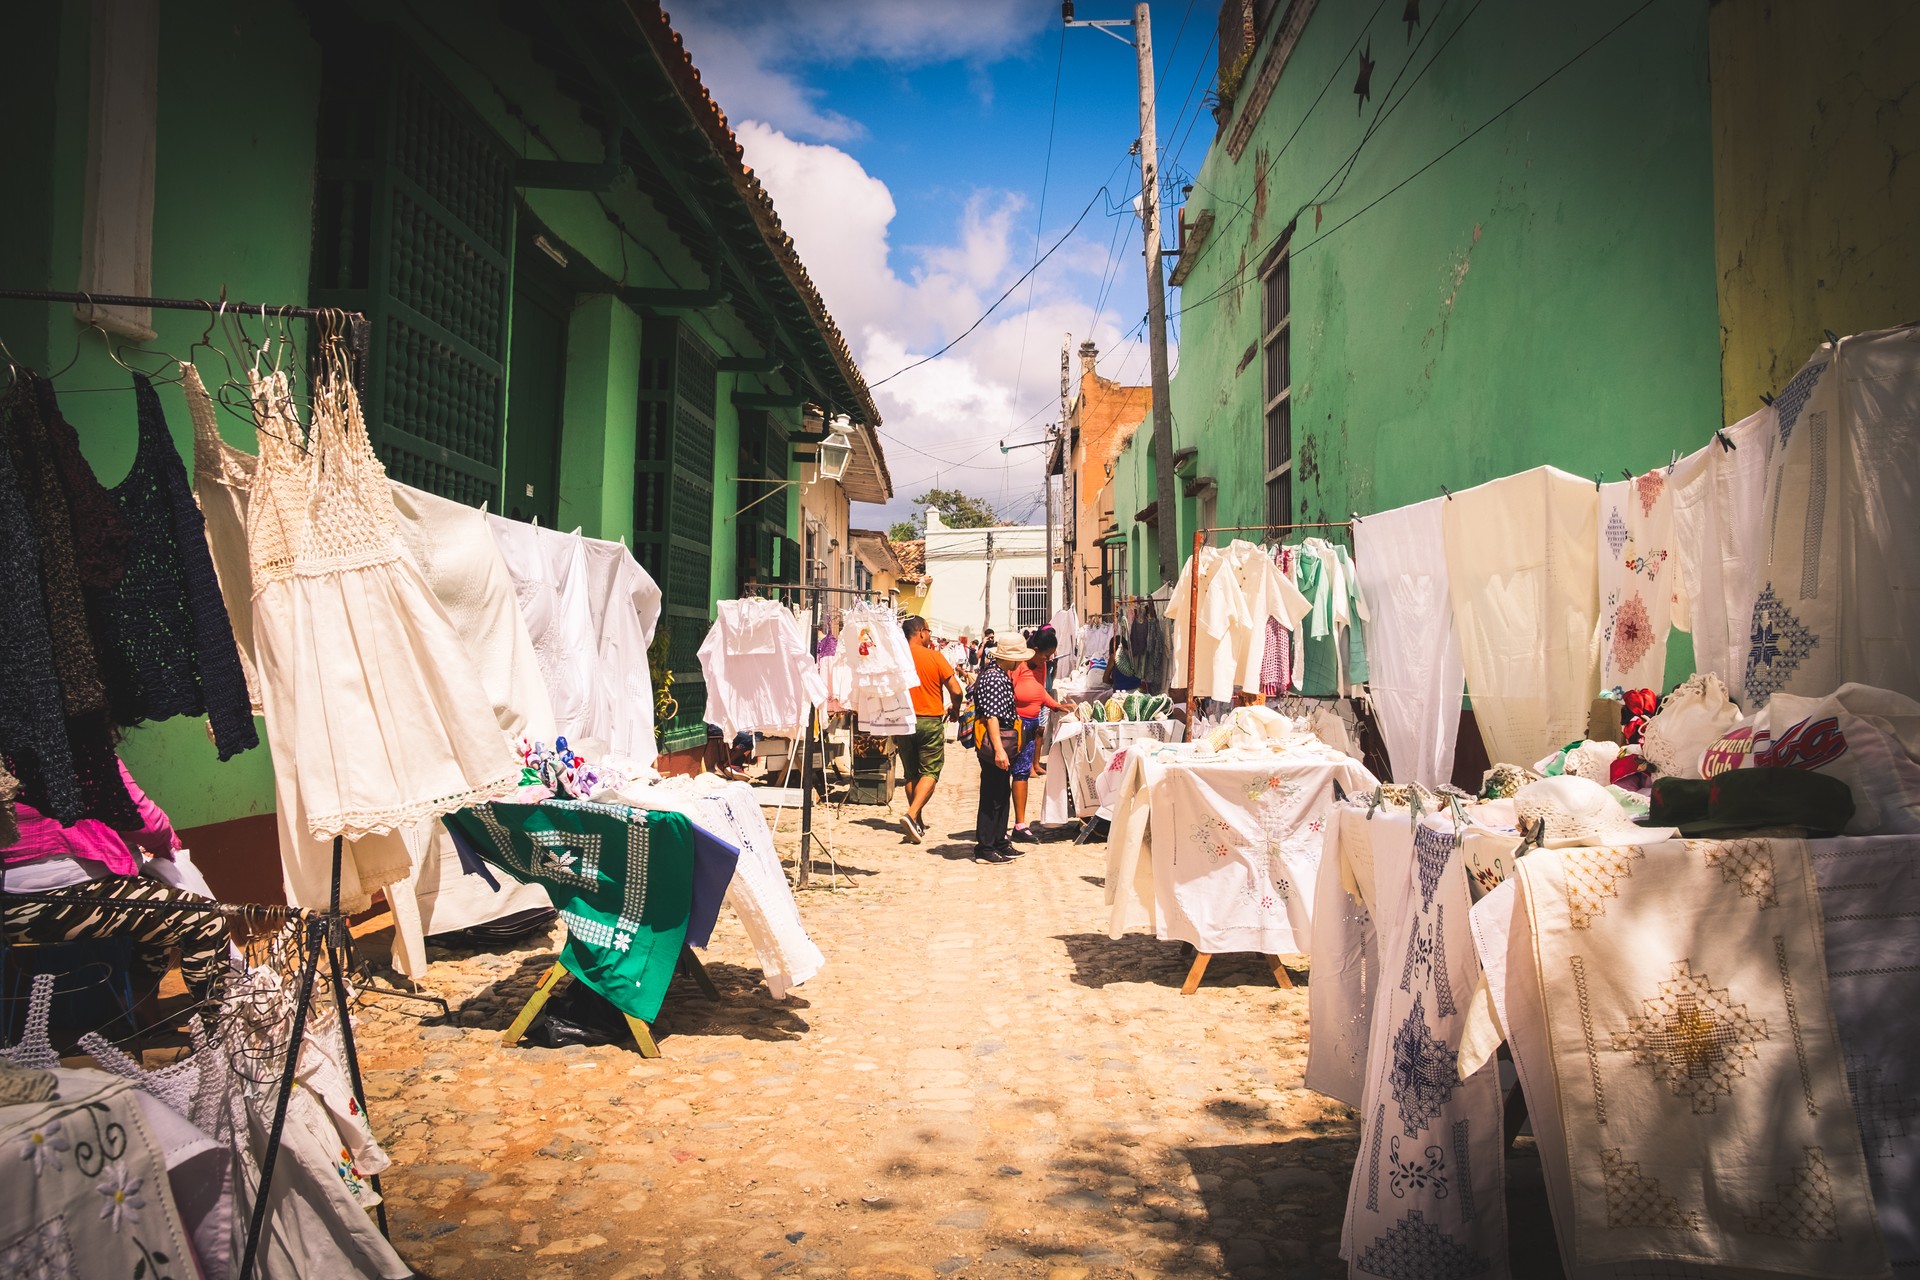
(233, 210)
(1543, 294)
(1816, 123)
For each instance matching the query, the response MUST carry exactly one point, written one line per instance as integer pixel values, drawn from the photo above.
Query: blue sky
(906, 147)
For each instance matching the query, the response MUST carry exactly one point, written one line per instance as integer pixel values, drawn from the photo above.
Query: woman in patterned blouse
(993, 708)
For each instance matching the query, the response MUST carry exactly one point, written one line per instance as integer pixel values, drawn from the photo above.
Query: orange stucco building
(1102, 418)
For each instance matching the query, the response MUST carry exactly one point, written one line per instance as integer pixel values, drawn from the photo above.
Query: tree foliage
(957, 511)
(906, 530)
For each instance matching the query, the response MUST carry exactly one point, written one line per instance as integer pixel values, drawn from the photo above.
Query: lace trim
(213, 458)
(379, 822)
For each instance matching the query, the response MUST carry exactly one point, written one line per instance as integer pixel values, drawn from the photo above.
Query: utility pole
(1069, 482)
(986, 599)
(1164, 491)
(1053, 442)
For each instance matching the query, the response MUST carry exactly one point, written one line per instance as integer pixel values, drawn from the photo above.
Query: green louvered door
(673, 504)
(413, 225)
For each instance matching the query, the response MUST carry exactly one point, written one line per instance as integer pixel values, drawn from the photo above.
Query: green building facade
(1501, 257)
(584, 310)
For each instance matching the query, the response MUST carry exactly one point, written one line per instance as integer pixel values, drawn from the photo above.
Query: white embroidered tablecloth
(87, 1195)
(1222, 850)
(1428, 1194)
(1668, 1012)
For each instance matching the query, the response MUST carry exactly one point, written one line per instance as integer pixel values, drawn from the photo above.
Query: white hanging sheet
(1415, 675)
(1522, 576)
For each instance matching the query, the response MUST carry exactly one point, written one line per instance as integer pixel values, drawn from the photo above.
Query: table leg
(542, 992)
(1280, 974)
(698, 972)
(1194, 974)
(643, 1037)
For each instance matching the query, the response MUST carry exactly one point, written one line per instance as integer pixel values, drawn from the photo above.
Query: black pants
(996, 805)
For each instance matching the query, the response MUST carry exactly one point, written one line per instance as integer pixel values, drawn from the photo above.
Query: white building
(986, 577)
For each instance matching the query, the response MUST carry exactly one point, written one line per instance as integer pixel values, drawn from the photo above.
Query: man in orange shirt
(922, 753)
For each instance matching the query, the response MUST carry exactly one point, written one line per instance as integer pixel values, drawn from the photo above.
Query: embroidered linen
(1428, 1194)
(87, 1187)
(1346, 960)
(621, 878)
(1079, 757)
(759, 893)
(754, 690)
(1224, 619)
(1699, 1079)
(1717, 495)
(1870, 899)
(1836, 587)
(1415, 675)
(1521, 574)
(1234, 849)
(1638, 569)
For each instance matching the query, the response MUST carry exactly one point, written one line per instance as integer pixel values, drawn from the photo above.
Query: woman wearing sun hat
(997, 732)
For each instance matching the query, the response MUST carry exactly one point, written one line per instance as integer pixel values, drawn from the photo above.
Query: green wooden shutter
(673, 504)
(414, 226)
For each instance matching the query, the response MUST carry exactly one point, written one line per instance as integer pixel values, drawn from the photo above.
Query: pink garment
(1276, 666)
(93, 840)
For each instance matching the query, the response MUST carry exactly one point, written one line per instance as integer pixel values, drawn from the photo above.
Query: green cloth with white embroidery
(621, 878)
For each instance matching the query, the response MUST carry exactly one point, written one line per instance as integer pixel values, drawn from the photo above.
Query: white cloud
(748, 50)
(944, 420)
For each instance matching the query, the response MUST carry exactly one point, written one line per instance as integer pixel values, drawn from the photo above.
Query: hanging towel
(1522, 576)
(1416, 678)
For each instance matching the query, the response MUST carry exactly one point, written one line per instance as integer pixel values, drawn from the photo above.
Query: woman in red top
(1029, 696)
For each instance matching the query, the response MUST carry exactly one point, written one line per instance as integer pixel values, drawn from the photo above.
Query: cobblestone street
(980, 1082)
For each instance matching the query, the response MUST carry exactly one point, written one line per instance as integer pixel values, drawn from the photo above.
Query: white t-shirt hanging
(1223, 612)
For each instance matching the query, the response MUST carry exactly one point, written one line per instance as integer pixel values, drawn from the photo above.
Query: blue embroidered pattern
(1423, 1073)
(1777, 644)
(1463, 1169)
(1415, 1249)
(1793, 398)
(1431, 849)
(1427, 951)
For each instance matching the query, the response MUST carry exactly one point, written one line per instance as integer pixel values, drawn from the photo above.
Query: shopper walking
(1030, 698)
(997, 739)
(924, 750)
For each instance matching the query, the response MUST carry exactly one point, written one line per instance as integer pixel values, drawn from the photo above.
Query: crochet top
(168, 621)
(64, 610)
(32, 734)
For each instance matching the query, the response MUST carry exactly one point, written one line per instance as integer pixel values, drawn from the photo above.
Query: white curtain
(1414, 657)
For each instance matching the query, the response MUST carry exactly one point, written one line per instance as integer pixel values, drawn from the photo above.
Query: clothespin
(1459, 814)
(1626, 475)
(1444, 493)
(1726, 441)
(1673, 462)
(1832, 337)
(1339, 792)
(1379, 798)
(1766, 399)
(1596, 482)
(1413, 805)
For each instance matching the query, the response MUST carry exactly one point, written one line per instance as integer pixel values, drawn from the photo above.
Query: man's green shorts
(924, 750)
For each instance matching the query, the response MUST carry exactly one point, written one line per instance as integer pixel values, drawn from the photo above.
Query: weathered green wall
(1543, 294)
(1816, 126)
(233, 207)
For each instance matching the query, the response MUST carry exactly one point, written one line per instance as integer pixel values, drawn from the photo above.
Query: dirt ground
(979, 1083)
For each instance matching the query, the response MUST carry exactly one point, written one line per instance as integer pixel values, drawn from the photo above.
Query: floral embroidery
(1777, 644)
(1416, 1173)
(43, 1146)
(1632, 634)
(122, 1192)
(1648, 564)
(1650, 486)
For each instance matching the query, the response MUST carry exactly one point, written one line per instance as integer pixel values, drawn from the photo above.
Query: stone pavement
(980, 1083)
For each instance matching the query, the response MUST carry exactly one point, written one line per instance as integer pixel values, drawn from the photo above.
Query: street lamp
(836, 451)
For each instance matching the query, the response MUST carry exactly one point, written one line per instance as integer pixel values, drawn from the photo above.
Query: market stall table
(1082, 777)
(1220, 849)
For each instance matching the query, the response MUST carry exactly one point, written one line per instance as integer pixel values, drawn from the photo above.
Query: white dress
(375, 716)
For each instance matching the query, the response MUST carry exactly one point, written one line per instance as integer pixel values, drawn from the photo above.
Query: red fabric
(1029, 692)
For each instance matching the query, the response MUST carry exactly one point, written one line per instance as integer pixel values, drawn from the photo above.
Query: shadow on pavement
(1137, 957)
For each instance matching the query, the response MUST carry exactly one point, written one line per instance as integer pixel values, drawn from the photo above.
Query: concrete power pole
(986, 605)
(1164, 491)
(1053, 442)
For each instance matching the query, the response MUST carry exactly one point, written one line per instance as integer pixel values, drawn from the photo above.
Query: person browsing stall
(1030, 698)
(924, 750)
(998, 741)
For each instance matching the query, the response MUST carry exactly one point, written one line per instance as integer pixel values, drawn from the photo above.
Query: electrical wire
(1039, 219)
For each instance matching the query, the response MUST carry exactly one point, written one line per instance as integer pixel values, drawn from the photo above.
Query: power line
(997, 301)
(1039, 220)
